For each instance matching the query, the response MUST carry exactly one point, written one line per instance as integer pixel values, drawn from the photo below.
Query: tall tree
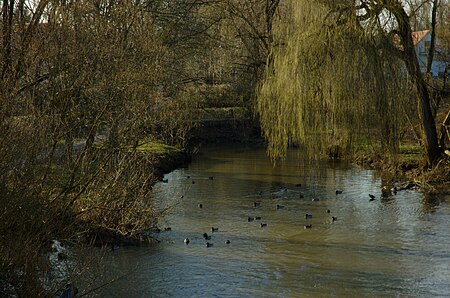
(340, 59)
(72, 69)
(252, 21)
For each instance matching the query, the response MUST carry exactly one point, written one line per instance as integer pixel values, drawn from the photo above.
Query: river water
(397, 246)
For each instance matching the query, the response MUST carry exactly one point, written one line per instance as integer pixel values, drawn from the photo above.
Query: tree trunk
(433, 36)
(428, 122)
(7, 17)
(271, 7)
(412, 65)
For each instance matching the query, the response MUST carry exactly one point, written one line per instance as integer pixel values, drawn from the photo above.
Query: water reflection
(390, 247)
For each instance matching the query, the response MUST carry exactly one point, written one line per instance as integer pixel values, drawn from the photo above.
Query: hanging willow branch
(331, 80)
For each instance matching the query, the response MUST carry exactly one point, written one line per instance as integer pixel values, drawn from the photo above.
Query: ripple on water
(396, 246)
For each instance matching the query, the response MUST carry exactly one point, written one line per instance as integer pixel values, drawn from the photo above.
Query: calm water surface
(391, 247)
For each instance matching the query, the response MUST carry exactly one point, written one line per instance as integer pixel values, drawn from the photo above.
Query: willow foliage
(329, 81)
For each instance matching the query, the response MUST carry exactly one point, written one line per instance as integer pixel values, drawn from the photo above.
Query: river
(395, 246)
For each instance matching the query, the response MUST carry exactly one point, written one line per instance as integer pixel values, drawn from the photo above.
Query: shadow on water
(390, 246)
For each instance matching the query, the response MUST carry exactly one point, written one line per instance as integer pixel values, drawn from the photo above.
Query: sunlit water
(391, 247)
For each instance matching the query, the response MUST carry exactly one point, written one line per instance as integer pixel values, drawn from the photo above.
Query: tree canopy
(342, 71)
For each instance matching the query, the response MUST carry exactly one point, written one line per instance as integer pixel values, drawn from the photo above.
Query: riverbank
(99, 198)
(369, 239)
(165, 158)
(116, 212)
(407, 166)
(158, 159)
(410, 167)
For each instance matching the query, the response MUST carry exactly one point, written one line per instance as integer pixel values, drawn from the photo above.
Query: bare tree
(433, 36)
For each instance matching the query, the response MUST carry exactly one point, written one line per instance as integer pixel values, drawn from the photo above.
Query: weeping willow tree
(336, 72)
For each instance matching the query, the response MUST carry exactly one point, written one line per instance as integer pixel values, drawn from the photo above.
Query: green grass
(410, 148)
(58, 174)
(410, 152)
(146, 146)
(61, 142)
(156, 148)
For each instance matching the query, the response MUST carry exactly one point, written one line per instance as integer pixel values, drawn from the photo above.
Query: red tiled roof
(418, 35)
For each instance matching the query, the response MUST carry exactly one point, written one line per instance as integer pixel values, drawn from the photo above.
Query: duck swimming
(214, 229)
(186, 241)
(280, 206)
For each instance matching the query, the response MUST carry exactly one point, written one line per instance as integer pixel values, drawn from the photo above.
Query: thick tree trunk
(428, 121)
(409, 57)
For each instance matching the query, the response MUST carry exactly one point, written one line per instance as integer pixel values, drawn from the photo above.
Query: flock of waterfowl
(279, 206)
(207, 238)
(213, 229)
(257, 204)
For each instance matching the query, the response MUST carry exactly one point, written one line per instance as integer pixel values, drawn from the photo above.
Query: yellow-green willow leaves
(329, 82)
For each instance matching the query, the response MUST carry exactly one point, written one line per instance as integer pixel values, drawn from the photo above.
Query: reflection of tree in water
(430, 202)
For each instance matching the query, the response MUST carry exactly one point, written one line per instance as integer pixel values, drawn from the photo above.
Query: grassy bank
(409, 165)
(165, 158)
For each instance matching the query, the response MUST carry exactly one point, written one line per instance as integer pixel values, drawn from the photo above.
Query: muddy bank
(166, 163)
(434, 180)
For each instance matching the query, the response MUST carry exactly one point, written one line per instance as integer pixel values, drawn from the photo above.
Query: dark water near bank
(399, 246)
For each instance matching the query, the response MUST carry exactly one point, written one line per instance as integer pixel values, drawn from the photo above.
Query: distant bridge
(231, 114)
